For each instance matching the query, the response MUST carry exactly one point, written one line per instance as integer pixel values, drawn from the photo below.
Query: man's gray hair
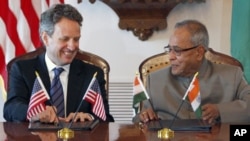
(198, 31)
(55, 13)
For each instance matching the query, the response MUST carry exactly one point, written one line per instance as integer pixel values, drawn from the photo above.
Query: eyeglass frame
(179, 50)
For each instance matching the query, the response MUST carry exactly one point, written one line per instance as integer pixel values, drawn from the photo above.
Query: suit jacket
(21, 80)
(223, 85)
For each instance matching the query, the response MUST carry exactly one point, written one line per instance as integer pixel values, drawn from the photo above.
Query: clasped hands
(49, 116)
(210, 113)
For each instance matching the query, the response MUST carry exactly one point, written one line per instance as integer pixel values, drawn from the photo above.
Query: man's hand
(80, 116)
(210, 112)
(147, 115)
(48, 116)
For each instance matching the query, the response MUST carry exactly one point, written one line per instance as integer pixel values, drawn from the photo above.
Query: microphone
(78, 108)
(175, 116)
(151, 104)
(149, 100)
(183, 99)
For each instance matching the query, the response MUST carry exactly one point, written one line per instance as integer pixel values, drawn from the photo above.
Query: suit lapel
(42, 70)
(77, 85)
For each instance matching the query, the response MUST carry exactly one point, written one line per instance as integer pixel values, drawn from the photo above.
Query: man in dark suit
(60, 31)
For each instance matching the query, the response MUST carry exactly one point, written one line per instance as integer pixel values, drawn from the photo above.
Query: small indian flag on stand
(194, 96)
(140, 94)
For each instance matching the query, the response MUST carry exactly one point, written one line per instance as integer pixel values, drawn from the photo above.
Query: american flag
(19, 30)
(38, 97)
(93, 96)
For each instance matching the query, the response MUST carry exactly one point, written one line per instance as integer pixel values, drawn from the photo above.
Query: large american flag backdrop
(19, 30)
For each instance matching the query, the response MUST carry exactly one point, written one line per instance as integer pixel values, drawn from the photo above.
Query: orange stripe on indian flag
(195, 90)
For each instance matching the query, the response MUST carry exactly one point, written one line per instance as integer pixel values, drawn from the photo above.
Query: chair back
(161, 60)
(81, 55)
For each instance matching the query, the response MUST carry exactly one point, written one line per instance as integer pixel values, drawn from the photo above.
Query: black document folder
(181, 125)
(86, 125)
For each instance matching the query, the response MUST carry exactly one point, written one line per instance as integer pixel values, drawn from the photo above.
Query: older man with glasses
(224, 93)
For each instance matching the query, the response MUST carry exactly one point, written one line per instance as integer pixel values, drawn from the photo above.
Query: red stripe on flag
(61, 1)
(47, 1)
(11, 26)
(31, 17)
(91, 97)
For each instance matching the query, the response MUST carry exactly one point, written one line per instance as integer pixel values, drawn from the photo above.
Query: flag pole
(40, 81)
(146, 93)
(78, 108)
(143, 88)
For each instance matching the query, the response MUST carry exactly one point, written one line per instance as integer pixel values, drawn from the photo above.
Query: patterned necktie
(56, 92)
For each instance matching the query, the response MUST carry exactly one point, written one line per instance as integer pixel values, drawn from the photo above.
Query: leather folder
(86, 125)
(181, 125)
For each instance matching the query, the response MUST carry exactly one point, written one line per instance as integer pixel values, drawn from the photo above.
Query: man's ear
(44, 37)
(201, 52)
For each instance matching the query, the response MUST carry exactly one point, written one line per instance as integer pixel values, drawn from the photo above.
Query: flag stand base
(65, 133)
(165, 133)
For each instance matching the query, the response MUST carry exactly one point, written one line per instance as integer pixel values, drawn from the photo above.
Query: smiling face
(63, 44)
(187, 62)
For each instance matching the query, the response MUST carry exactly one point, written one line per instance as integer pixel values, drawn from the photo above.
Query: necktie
(56, 92)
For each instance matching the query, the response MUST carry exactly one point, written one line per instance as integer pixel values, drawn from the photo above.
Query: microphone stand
(168, 133)
(151, 104)
(163, 133)
(64, 133)
(176, 114)
(183, 99)
(78, 108)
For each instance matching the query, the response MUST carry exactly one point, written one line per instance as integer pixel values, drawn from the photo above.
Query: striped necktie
(56, 92)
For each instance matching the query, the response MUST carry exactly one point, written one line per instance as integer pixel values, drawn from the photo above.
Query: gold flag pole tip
(165, 133)
(65, 133)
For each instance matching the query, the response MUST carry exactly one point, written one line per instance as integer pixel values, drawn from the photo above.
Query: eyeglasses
(177, 50)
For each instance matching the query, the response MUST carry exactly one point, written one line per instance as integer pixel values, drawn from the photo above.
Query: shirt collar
(51, 65)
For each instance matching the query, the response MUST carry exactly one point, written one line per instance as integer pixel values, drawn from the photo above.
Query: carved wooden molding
(143, 17)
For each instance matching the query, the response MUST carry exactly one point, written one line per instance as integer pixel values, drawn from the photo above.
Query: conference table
(109, 132)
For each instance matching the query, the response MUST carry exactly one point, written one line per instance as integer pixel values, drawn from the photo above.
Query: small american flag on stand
(38, 97)
(93, 96)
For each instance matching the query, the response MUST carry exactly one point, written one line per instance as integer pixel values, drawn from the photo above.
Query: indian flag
(194, 96)
(139, 92)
